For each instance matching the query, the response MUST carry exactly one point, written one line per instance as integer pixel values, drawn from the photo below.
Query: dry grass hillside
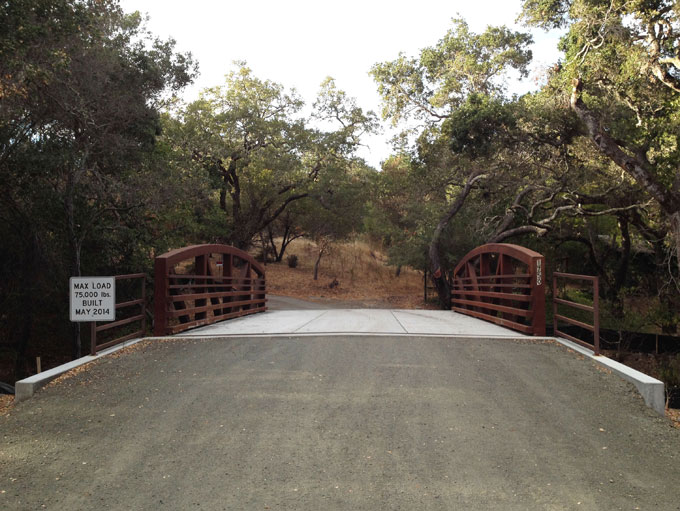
(362, 274)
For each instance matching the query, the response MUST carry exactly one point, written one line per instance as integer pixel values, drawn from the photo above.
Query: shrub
(292, 261)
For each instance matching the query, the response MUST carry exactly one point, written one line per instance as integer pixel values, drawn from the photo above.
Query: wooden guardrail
(504, 284)
(203, 284)
(141, 317)
(594, 309)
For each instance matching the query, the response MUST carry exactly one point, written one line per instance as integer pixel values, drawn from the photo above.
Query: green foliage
(457, 88)
(445, 75)
(540, 182)
(669, 372)
(81, 84)
(338, 204)
(474, 128)
(396, 216)
(546, 13)
(97, 180)
(259, 155)
(625, 57)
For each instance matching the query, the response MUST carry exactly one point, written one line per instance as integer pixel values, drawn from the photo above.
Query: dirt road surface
(351, 423)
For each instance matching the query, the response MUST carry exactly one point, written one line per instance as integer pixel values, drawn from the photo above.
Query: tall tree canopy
(444, 89)
(444, 76)
(622, 74)
(81, 84)
(507, 167)
(261, 154)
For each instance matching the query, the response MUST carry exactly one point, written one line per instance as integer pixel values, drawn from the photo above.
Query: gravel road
(352, 423)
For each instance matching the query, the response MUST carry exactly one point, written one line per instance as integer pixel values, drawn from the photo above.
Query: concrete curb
(24, 389)
(651, 389)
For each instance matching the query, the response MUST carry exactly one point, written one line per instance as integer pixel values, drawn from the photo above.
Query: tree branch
(636, 168)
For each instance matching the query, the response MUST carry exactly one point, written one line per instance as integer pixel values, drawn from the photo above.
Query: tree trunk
(270, 235)
(239, 238)
(438, 274)
(263, 245)
(288, 236)
(675, 229)
(75, 244)
(77, 350)
(323, 245)
(439, 277)
(621, 273)
(317, 263)
(223, 199)
(285, 240)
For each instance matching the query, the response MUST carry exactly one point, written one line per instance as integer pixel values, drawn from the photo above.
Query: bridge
(298, 407)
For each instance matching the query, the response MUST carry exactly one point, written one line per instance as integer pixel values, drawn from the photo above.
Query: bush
(669, 373)
(292, 261)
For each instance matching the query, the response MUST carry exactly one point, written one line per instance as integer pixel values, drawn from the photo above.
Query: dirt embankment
(351, 272)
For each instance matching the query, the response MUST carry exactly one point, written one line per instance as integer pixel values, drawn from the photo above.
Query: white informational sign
(93, 298)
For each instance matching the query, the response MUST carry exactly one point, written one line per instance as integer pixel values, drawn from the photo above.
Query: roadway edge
(24, 389)
(651, 389)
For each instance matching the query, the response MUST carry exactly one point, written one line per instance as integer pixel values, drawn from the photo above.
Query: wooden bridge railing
(592, 309)
(139, 318)
(203, 284)
(504, 284)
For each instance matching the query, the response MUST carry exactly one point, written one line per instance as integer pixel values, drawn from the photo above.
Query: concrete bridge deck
(355, 321)
(293, 418)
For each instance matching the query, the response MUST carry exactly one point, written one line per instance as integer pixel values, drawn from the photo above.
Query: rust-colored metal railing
(595, 309)
(504, 284)
(141, 317)
(203, 284)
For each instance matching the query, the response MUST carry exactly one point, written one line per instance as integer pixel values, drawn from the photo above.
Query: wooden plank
(499, 321)
(129, 304)
(131, 276)
(215, 307)
(208, 321)
(574, 304)
(575, 322)
(208, 308)
(489, 294)
(196, 296)
(497, 277)
(211, 277)
(492, 306)
(120, 322)
(211, 285)
(574, 276)
(558, 333)
(139, 333)
(493, 285)
(160, 293)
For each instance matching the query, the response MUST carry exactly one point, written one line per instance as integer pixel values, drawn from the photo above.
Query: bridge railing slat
(203, 296)
(504, 284)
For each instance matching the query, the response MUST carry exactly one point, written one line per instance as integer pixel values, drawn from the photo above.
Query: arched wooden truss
(502, 283)
(202, 284)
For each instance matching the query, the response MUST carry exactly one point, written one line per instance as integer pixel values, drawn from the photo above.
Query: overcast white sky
(298, 43)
